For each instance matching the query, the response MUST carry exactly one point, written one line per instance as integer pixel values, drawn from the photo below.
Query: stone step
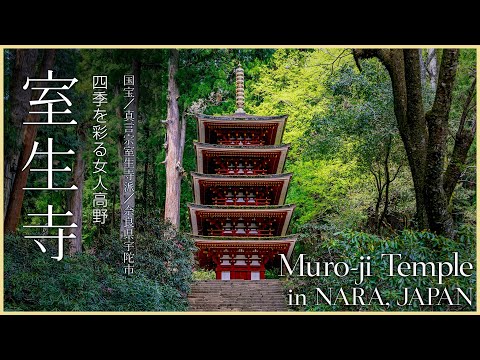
(237, 295)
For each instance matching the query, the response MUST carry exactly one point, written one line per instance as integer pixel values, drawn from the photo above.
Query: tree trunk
(387, 182)
(379, 187)
(403, 67)
(417, 136)
(154, 185)
(25, 61)
(75, 204)
(29, 133)
(432, 68)
(173, 160)
(423, 68)
(114, 198)
(127, 198)
(426, 149)
(440, 219)
(463, 141)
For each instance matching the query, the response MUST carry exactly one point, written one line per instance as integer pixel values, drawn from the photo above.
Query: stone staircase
(237, 295)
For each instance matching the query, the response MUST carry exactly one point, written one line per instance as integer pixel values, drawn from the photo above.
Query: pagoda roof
(240, 116)
(275, 125)
(283, 176)
(230, 211)
(241, 208)
(242, 242)
(201, 180)
(204, 151)
(251, 148)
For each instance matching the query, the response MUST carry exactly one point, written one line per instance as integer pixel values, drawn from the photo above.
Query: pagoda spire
(240, 92)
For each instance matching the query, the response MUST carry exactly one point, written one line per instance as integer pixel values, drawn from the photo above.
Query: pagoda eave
(226, 254)
(203, 242)
(208, 154)
(216, 177)
(274, 126)
(277, 183)
(277, 216)
(242, 116)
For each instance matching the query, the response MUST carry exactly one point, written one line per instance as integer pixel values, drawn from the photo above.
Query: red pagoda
(239, 218)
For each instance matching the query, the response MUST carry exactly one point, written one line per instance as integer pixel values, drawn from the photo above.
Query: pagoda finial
(240, 97)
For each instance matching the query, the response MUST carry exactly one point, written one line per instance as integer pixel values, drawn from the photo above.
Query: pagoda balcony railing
(241, 201)
(236, 171)
(241, 232)
(241, 142)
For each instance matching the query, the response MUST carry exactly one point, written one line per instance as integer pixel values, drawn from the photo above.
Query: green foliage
(161, 253)
(321, 188)
(464, 199)
(294, 82)
(318, 241)
(291, 83)
(201, 274)
(9, 134)
(360, 125)
(360, 113)
(272, 273)
(95, 282)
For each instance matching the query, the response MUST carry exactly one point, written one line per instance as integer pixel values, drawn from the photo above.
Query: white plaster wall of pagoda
(203, 120)
(282, 149)
(255, 275)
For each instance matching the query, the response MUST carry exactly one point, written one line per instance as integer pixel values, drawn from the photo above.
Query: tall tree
(424, 134)
(24, 66)
(175, 144)
(75, 199)
(29, 133)
(361, 126)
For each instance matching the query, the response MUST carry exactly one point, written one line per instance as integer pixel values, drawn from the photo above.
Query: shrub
(200, 274)
(162, 254)
(95, 282)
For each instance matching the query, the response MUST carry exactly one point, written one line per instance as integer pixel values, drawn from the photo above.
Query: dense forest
(383, 152)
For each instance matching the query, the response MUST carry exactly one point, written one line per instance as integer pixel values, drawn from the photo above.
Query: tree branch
(430, 56)
(463, 140)
(384, 55)
(343, 54)
(377, 184)
(396, 173)
(466, 107)
(438, 115)
(413, 82)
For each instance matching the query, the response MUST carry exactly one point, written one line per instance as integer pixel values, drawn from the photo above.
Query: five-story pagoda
(239, 218)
